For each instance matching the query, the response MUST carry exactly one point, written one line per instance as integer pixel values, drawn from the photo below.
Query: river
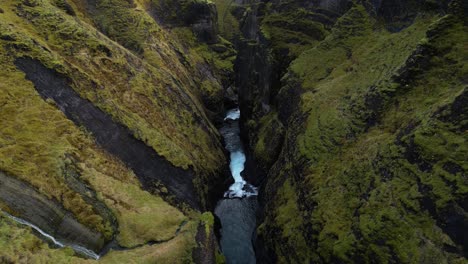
(237, 210)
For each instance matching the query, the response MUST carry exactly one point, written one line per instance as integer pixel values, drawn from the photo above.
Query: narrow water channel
(237, 209)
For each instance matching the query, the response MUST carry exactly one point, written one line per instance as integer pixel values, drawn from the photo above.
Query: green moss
(338, 73)
(269, 140)
(292, 31)
(177, 250)
(118, 20)
(142, 217)
(207, 219)
(291, 225)
(220, 258)
(361, 175)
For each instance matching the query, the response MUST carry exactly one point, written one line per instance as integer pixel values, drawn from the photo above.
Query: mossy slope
(136, 93)
(373, 166)
(119, 58)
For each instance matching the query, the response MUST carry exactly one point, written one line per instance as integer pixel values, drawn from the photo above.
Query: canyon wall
(359, 131)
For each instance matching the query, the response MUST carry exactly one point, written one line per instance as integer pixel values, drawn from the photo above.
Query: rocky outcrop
(207, 249)
(200, 16)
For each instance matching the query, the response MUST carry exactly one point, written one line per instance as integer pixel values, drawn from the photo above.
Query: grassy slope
(292, 30)
(361, 196)
(149, 92)
(38, 141)
(136, 92)
(135, 29)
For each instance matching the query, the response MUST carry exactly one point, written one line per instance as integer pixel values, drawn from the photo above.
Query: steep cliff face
(104, 125)
(363, 139)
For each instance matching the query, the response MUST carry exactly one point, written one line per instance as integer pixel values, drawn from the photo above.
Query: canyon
(233, 131)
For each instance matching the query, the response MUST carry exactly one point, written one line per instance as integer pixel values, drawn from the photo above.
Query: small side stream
(237, 210)
(77, 248)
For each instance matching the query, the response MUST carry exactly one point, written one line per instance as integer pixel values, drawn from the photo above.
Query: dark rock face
(48, 215)
(253, 69)
(214, 102)
(205, 253)
(336, 6)
(262, 60)
(200, 16)
(151, 168)
(399, 14)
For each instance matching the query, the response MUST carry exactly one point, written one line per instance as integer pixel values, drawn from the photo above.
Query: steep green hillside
(139, 78)
(373, 162)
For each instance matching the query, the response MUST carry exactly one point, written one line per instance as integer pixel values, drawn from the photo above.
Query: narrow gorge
(237, 210)
(234, 131)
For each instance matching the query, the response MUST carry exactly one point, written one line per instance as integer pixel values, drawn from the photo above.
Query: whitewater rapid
(231, 133)
(233, 114)
(237, 211)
